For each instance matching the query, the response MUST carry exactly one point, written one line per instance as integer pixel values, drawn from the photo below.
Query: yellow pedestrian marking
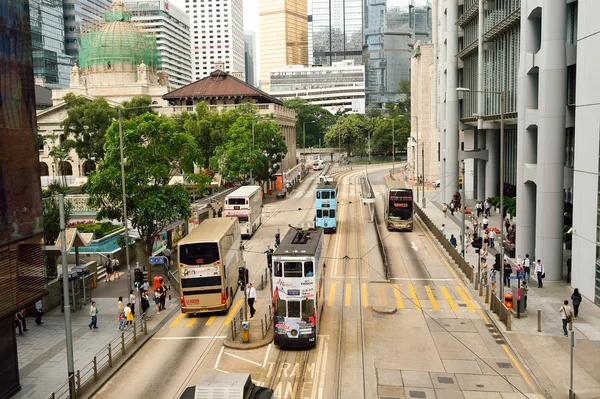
(331, 297)
(348, 294)
(381, 295)
(413, 293)
(177, 320)
(365, 295)
(233, 311)
(448, 298)
(211, 320)
(434, 303)
(465, 298)
(192, 321)
(398, 296)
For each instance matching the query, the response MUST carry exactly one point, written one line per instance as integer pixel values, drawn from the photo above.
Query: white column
(452, 169)
(481, 167)
(551, 149)
(492, 178)
(480, 164)
(526, 140)
(442, 97)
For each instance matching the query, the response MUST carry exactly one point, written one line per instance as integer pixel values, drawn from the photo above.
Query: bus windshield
(199, 253)
(400, 205)
(236, 201)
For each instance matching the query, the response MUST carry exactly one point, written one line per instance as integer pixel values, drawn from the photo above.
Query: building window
(570, 147)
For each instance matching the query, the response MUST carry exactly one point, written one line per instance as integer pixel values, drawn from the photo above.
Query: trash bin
(245, 332)
(157, 281)
(508, 300)
(270, 191)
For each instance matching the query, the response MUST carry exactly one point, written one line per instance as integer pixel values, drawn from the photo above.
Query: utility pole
(67, 307)
(124, 190)
(464, 233)
(571, 393)
(423, 171)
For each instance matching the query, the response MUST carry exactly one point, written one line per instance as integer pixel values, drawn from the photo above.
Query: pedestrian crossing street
(403, 296)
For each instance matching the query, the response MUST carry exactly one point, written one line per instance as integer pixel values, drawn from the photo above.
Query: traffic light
(277, 240)
(270, 258)
(242, 276)
(477, 242)
(139, 278)
(497, 263)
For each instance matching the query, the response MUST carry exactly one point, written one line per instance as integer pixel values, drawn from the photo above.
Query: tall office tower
(310, 41)
(217, 35)
(172, 29)
(249, 51)
(337, 31)
(391, 30)
(283, 36)
(51, 62)
(78, 14)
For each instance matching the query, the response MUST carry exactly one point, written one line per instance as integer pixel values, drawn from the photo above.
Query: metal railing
(103, 361)
(498, 307)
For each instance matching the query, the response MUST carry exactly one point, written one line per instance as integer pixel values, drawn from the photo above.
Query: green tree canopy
(312, 118)
(155, 151)
(350, 132)
(382, 135)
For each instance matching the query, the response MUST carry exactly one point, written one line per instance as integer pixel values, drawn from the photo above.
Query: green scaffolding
(118, 42)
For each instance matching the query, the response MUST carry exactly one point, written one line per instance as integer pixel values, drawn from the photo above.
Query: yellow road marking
(331, 297)
(413, 293)
(434, 303)
(211, 320)
(348, 294)
(465, 298)
(381, 295)
(448, 298)
(177, 320)
(365, 295)
(485, 319)
(192, 321)
(398, 296)
(233, 311)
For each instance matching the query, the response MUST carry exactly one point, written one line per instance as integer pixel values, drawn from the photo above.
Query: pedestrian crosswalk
(426, 297)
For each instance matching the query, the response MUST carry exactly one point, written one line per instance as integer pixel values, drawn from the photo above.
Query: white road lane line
(219, 357)
(241, 358)
(317, 366)
(324, 368)
(266, 355)
(196, 337)
(223, 371)
(422, 279)
(414, 246)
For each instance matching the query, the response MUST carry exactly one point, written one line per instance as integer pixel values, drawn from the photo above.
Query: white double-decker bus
(245, 204)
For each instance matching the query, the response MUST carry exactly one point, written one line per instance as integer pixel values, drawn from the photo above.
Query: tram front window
(292, 269)
(293, 309)
(308, 269)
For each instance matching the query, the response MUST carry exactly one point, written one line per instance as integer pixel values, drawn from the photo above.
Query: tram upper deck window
(318, 195)
(308, 269)
(325, 195)
(278, 269)
(293, 309)
(333, 195)
(292, 269)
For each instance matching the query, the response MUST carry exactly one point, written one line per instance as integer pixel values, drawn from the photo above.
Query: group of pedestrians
(112, 269)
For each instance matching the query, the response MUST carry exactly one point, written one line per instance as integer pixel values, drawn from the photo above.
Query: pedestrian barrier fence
(498, 307)
(85, 377)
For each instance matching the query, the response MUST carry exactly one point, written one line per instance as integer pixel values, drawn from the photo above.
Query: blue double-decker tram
(326, 201)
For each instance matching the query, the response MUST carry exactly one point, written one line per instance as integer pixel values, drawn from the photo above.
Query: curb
(112, 371)
(236, 344)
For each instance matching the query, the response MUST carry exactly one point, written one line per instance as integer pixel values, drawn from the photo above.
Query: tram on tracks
(298, 286)
(325, 204)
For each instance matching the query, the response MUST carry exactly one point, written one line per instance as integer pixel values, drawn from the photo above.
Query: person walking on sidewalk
(251, 292)
(163, 298)
(132, 302)
(493, 279)
(115, 267)
(485, 223)
(443, 230)
(492, 236)
(145, 304)
(93, 316)
(39, 311)
(567, 316)
(540, 273)
(444, 209)
(524, 290)
(120, 305)
(507, 273)
(128, 315)
(486, 206)
(452, 209)
(108, 269)
(453, 240)
(576, 299)
(157, 296)
(527, 268)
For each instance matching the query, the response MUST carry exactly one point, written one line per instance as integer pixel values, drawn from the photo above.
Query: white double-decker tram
(245, 204)
(298, 286)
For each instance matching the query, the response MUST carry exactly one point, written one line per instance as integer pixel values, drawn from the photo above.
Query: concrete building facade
(425, 145)
(171, 26)
(283, 36)
(336, 87)
(217, 36)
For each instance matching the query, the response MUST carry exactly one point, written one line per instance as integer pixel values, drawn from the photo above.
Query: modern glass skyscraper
(50, 61)
(337, 31)
(249, 46)
(391, 29)
(78, 14)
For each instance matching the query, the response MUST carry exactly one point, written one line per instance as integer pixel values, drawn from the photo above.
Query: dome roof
(118, 42)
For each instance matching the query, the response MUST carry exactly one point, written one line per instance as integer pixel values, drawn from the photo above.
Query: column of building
(442, 95)
(451, 167)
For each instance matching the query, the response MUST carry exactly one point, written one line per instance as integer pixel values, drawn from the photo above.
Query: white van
(230, 386)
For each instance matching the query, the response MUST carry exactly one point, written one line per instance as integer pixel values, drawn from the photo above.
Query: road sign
(157, 260)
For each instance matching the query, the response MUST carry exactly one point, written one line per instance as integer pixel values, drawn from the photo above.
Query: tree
(138, 105)
(312, 118)
(60, 154)
(381, 135)
(156, 150)
(51, 215)
(350, 132)
(85, 125)
(241, 152)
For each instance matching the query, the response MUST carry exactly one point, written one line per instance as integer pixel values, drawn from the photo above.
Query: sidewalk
(546, 354)
(42, 350)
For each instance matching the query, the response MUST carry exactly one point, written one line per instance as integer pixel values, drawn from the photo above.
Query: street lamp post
(251, 180)
(501, 95)
(393, 147)
(124, 190)
(417, 160)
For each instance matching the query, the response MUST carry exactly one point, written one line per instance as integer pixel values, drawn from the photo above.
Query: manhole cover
(504, 365)
(462, 305)
(480, 386)
(417, 394)
(445, 380)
